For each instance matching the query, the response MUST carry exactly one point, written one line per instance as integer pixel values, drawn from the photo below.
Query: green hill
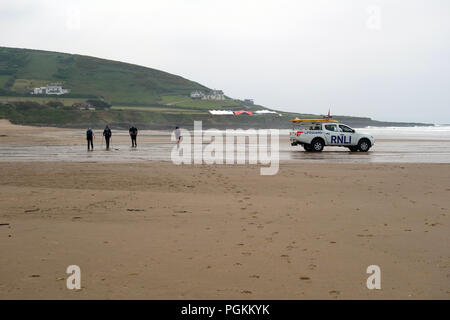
(146, 97)
(119, 83)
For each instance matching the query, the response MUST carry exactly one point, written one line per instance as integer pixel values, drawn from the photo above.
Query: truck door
(347, 136)
(331, 134)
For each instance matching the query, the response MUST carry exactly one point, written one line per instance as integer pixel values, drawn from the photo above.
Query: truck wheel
(307, 147)
(317, 145)
(364, 145)
(353, 148)
(293, 144)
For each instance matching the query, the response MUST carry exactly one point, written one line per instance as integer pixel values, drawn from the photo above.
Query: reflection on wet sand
(22, 143)
(382, 151)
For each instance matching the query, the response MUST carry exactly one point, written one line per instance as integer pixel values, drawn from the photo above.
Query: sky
(385, 59)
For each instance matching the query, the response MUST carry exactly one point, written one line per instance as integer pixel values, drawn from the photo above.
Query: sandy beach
(155, 230)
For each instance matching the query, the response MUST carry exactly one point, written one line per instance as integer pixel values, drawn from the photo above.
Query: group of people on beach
(133, 131)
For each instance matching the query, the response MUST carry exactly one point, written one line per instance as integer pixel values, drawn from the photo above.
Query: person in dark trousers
(133, 134)
(90, 139)
(107, 134)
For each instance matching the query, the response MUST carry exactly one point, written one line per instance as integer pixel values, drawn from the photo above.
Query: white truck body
(323, 134)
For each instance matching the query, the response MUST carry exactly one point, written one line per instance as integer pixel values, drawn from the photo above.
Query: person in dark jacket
(133, 134)
(107, 134)
(90, 138)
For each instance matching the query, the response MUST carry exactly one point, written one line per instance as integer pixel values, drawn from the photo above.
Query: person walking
(90, 136)
(107, 134)
(133, 134)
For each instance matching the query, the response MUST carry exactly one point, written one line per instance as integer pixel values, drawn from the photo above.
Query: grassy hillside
(146, 97)
(117, 82)
(152, 117)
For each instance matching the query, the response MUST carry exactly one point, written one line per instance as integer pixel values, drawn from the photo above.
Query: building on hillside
(266, 112)
(211, 95)
(197, 94)
(41, 90)
(249, 102)
(221, 112)
(51, 89)
(263, 112)
(214, 95)
(243, 112)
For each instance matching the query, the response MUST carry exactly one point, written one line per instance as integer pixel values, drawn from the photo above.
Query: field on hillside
(117, 82)
(44, 100)
(168, 109)
(198, 104)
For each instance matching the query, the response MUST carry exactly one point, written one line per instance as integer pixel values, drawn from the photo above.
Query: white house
(52, 88)
(265, 112)
(221, 112)
(41, 90)
(56, 88)
(197, 94)
(262, 112)
(212, 95)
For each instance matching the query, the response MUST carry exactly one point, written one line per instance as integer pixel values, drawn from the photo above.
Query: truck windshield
(345, 128)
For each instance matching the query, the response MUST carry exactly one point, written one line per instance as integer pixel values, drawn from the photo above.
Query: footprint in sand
(335, 293)
(305, 278)
(31, 210)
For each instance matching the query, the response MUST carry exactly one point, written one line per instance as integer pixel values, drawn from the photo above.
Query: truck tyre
(364, 145)
(307, 147)
(353, 148)
(317, 145)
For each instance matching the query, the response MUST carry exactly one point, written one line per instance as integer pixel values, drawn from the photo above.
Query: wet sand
(154, 230)
(22, 143)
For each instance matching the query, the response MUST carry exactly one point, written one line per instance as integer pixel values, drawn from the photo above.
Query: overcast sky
(385, 59)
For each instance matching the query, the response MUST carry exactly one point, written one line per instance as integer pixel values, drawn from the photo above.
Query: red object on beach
(237, 113)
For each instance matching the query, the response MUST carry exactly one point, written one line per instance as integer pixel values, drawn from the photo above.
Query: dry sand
(160, 231)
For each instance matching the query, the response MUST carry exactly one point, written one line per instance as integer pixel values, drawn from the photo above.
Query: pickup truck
(319, 135)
